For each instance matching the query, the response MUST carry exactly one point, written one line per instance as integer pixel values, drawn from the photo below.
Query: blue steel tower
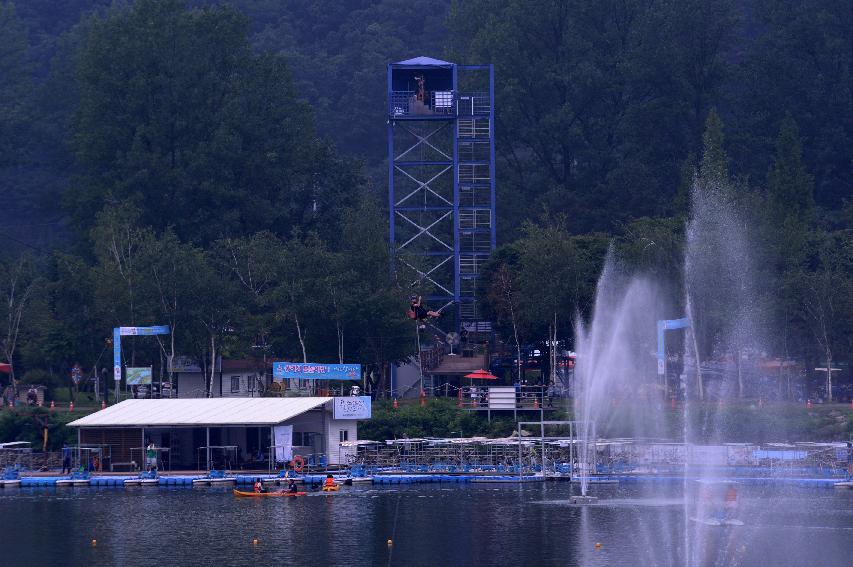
(441, 182)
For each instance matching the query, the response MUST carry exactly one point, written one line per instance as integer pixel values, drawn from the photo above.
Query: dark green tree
(714, 167)
(178, 116)
(789, 185)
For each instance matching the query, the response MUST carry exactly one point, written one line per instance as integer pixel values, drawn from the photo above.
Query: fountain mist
(617, 389)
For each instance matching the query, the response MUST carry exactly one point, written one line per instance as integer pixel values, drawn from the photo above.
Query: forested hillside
(219, 166)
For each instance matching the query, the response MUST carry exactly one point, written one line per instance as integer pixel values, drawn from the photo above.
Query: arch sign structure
(118, 332)
(667, 325)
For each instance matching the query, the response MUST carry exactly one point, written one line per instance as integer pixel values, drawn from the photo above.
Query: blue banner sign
(139, 331)
(116, 354)
(314, 371)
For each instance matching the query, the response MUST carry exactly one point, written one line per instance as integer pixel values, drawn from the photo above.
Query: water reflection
(430, 525)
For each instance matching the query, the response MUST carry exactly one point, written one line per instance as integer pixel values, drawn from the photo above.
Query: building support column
(207, 447)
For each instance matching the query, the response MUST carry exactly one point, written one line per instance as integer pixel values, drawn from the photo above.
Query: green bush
(710, 423)
(39, 377)
(439, 418)
(26, 425)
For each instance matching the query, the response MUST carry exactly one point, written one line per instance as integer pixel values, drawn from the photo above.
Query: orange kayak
(332, 488)
(242, 494)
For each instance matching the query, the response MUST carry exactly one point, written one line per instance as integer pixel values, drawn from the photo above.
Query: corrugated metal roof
(423, 61)
(200, 412)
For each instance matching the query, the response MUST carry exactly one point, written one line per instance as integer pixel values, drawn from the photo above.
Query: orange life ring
(298, 463)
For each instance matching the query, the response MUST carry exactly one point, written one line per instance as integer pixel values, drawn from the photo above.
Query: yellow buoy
(390, 542)
(94, 542)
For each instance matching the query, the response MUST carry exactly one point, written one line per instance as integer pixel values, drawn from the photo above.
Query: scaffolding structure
(460, 455)
(441, 183)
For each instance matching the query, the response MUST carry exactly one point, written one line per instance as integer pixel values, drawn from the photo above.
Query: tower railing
(473, 103)
(471, 127)
(475, 218)
(405, 104)
(471, 173)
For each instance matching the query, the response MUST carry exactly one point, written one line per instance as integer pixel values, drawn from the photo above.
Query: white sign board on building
(502, 397)
(352, 407)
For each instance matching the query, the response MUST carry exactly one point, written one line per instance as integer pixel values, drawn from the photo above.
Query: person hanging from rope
(418, 311)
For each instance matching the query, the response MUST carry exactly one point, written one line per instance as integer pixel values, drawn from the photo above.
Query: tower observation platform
(441, 183)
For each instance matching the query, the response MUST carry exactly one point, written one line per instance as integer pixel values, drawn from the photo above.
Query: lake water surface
(479, 524)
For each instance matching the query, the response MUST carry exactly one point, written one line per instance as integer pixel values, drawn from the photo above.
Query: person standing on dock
(66, 458)
(151, 456)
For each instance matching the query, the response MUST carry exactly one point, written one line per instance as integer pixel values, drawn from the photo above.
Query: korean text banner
(314, 371)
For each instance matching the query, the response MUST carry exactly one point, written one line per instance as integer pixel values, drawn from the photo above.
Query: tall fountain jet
(616, 380)
(618, 384)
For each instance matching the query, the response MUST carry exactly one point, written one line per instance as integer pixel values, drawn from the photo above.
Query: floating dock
(383, 478)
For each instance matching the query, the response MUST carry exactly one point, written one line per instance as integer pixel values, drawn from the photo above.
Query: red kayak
(242, 494)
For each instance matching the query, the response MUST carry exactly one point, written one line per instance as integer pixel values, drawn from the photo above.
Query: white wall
(194, 385)
(242, 391)
(337, 454)
(312, 422)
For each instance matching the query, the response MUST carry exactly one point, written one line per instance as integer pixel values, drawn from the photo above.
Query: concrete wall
(407, 379)
(192, 385)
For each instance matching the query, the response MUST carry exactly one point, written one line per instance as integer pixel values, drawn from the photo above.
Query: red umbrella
(4, 367)
(482, 375)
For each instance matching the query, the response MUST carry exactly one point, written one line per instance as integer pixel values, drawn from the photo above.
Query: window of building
(303, 438)
(235, 384)
(344, 435)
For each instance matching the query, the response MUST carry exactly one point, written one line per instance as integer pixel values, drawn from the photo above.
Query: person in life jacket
(330, 480)
(291, 486)
(259, 488)
(731, 502)
(418, 311)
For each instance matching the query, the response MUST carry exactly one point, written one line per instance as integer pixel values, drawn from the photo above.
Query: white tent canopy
(200, 412)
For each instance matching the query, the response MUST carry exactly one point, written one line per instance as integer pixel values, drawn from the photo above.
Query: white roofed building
(229, 433)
